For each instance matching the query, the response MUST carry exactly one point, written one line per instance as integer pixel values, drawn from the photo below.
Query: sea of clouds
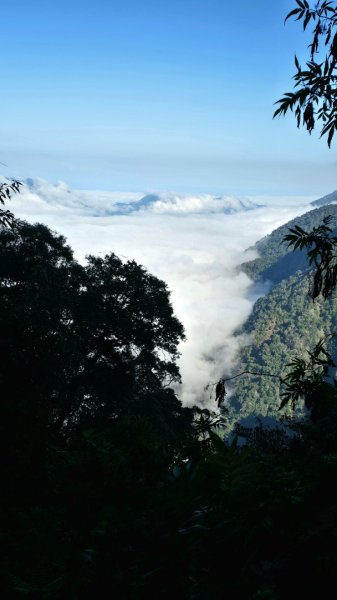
(194, 242)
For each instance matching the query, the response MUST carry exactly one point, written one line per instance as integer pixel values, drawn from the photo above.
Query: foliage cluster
(117, 514)
(6, 189)
(315, 95)
(320, 245)
(82, 342)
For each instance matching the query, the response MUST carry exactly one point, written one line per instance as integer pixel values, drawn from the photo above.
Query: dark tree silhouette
(81, 343)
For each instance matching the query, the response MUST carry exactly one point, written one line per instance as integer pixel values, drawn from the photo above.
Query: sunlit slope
(284, 322)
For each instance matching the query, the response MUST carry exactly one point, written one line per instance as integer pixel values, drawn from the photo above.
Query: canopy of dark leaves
(314, 98)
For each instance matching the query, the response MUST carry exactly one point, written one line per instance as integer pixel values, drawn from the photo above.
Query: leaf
(330, 136)
(218, 444)
(293, 12)
(306, 20)
(277, 112)
(285, 401)
(326, 66)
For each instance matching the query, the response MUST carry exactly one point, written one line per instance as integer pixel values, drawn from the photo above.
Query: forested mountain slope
(284, 323)
(328, 199)
(272, 250)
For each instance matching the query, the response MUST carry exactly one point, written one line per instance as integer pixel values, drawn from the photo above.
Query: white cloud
(100, 203)
(187, 240)
(189, 204)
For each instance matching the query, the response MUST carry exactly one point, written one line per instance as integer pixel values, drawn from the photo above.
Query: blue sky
(145, 95)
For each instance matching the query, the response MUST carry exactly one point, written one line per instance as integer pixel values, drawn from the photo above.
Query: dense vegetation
(98, 341)
(88, 354)
(110, 486)
(285, 322)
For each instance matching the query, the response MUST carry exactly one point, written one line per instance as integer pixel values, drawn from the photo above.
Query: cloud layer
(100, 203)
(195, 243)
